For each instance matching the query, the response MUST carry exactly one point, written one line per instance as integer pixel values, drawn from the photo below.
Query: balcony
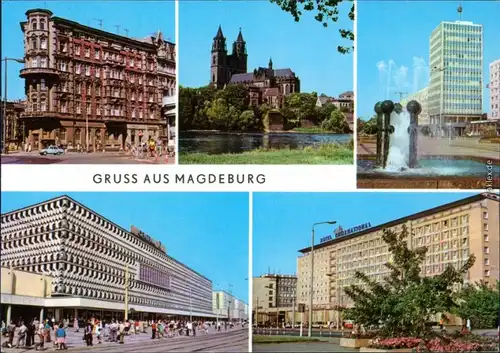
(26, 72)
(169, 101)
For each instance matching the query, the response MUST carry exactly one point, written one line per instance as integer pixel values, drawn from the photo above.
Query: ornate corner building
(85, 86)
(87, 258)
(266, 85)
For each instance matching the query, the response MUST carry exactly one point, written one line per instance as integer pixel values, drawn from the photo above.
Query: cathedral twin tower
(223, 66)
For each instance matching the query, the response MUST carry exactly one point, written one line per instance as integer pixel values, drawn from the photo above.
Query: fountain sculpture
(394, 141)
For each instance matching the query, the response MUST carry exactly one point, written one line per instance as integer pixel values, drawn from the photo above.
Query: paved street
(82, 158)
(235, 340)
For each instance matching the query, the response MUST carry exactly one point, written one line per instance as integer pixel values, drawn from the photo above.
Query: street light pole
(309, 333)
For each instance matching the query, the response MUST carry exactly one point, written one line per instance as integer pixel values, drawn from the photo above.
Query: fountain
(397, 163)
(397, 142)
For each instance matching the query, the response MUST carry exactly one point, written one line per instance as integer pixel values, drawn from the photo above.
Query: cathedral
(266, 85)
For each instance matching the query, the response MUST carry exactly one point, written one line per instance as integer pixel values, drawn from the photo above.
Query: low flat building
(451, 232)
(85, 259)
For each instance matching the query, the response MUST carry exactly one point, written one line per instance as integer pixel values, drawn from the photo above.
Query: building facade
(456, 77)
(451, 233)
(88, 87)
(88, 258)
(274, 298)
(12, 126)
(266, 85)
(226, 306)
(422, 97)
(494, 87)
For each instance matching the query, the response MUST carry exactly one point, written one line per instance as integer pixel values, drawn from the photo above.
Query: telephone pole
(117, 29)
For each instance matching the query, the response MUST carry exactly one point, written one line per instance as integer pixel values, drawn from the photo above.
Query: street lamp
(4, 119)
(312, 276)
(440, 69)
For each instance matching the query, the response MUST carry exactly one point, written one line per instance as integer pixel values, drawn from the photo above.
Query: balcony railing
(38, 70)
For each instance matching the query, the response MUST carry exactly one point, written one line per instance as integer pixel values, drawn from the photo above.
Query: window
(34, 25)
(486, 238)
(486, 226)
(77, 68)
(63, 66)
(78, 108)
(485, 215)
(87, 52)
(486, 250)
(42, 83)
(43, 62)
(43, 43)
(487, 261)
(96, 55)
(486, 273)
(97, 72)
(43, 106)
(132, 62)
(34, 62)
(89, 90)
(33, 43)
(42, 24)
(87, 70)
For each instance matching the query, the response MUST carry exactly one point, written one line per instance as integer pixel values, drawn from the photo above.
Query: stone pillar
(41, 314)
(8, 315)
(414, 108)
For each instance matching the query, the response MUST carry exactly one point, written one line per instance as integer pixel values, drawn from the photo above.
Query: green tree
(325, 111)
(369, 127)
(221, 115)
(326, 12)
(336, 122)
(247, 120)
(479, 303)
(235, 95)
(404, 303)
(303, 105)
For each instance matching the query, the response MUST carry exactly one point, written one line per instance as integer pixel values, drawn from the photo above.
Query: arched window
(42, 24)
(34, 25)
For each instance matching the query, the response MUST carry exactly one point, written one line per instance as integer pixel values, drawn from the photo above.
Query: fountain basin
(434, 172)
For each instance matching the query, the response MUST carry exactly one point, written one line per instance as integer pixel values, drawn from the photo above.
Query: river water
(219, 142)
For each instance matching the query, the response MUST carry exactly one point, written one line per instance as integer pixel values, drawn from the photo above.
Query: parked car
(54, 150)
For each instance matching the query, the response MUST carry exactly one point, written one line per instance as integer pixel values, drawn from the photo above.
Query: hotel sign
(156, 243)
(341, 232)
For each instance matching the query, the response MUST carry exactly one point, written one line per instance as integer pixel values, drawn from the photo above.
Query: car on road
(54, 150)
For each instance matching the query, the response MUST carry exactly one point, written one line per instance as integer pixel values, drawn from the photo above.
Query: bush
(441, 345)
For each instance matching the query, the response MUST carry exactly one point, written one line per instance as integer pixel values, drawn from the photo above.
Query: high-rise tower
(218, 66)
(456, 79)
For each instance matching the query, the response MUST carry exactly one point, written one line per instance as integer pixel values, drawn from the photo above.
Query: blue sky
(206, 231)
(306, 47)
(403, 37)
(141, 18)
(282, 221)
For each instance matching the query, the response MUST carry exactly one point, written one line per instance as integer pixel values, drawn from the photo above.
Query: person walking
(195, 325)
(41, 336)
(61, 337)
(88, 333)
(21, 340)
(153, 330)
(75, 325)
(121, 330)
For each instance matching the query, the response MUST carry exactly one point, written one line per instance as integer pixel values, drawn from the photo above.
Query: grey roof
(249, 76)
(324, 99)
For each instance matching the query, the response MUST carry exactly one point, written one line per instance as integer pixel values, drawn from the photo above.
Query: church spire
(219, 34)
(240, 37)
(270, 65)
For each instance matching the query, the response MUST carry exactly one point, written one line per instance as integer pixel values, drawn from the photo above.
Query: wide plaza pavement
(232, 340)
(82, 158)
